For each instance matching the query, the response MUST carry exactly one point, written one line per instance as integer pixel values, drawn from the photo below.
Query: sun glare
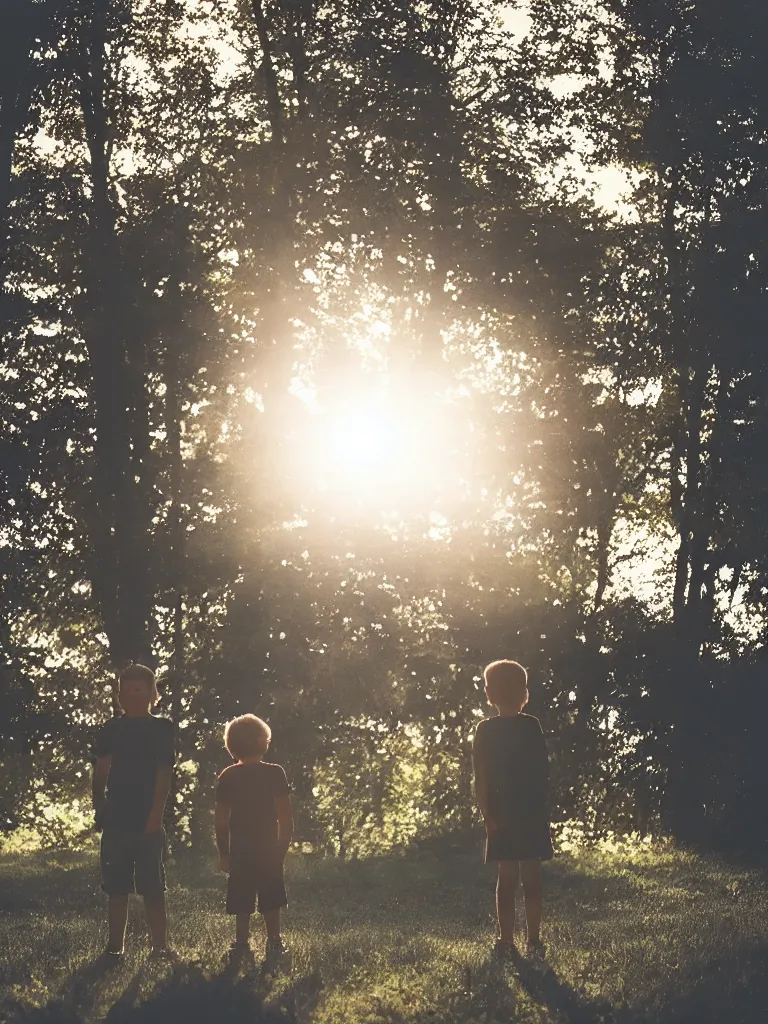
(377, 447)
(365, 442)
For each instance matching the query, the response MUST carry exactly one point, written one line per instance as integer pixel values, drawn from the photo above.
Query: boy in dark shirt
(131, 779)
(254, 826)
(511, 782)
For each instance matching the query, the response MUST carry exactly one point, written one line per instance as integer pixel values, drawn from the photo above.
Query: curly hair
(247, 736)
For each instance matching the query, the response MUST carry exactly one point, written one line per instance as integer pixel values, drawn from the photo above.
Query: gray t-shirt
(517, 767)
(138, 747)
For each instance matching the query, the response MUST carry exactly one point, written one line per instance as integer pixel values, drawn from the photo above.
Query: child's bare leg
(154, 910)
(242, 928)
(272, 923)
(506, 888)
(118, 918)
(530, 874)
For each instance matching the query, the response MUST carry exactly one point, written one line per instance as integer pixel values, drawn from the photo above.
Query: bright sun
(382, 449)
(365, 442)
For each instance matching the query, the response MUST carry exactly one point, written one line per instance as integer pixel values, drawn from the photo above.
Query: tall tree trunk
(604, 535)
(21, 22)
(302, 22)
(120, 515)
(693, 536)
(709, 470)
(174, 428)
(684, 803)
(277, 328)
(274, 103)
(686, 420)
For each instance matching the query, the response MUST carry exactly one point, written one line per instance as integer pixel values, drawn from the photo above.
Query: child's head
(506, 685)
(137, 692)
(247, 736)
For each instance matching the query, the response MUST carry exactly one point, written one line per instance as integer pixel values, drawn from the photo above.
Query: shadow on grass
(548, 990)
(80, 993)
(733, 989)
(184, 994)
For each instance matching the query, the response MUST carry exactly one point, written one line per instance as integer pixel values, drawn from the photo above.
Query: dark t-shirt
(517, 766)
(250, 791)
(138, 747)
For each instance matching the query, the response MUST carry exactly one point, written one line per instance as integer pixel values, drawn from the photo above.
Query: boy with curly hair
(254, 827)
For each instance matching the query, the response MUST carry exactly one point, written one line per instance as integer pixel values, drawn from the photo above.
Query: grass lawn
(655, 936)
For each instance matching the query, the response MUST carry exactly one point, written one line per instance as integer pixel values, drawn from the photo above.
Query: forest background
(347, 346)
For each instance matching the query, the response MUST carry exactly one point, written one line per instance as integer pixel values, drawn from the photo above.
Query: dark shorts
(255, 879)
(519, 844)
(132, 862)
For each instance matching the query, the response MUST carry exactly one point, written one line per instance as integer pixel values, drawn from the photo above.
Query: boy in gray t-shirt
(134, 755)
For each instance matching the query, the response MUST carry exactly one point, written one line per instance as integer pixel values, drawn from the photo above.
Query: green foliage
(377, 793)
(220, 226)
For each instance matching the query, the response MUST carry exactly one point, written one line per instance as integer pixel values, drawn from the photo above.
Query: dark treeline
(222, 223)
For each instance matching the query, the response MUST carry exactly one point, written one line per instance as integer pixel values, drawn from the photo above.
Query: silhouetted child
(511, 783)
(134, 756)
(254, 826)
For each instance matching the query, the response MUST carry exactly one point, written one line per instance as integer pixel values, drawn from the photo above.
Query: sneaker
(161, 954)
(537, 950)
(277, 951)
(239, 948)
(504, 950)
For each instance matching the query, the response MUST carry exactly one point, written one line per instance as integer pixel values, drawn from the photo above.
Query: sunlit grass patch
(649, 931)
(420, 979)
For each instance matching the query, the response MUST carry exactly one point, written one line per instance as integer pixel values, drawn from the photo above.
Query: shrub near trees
(235, 234)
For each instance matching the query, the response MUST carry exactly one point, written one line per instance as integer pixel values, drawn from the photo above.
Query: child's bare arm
(221, 820)
(479, 760)
(162, 789)
(542, 765)
(284, 822)
(99, 785)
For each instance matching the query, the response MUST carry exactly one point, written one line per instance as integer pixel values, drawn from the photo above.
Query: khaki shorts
(132, 862)
(256, 879)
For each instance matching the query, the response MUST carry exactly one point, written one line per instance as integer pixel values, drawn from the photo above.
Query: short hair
(506, 683)
(247, 736)
(143, 674)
